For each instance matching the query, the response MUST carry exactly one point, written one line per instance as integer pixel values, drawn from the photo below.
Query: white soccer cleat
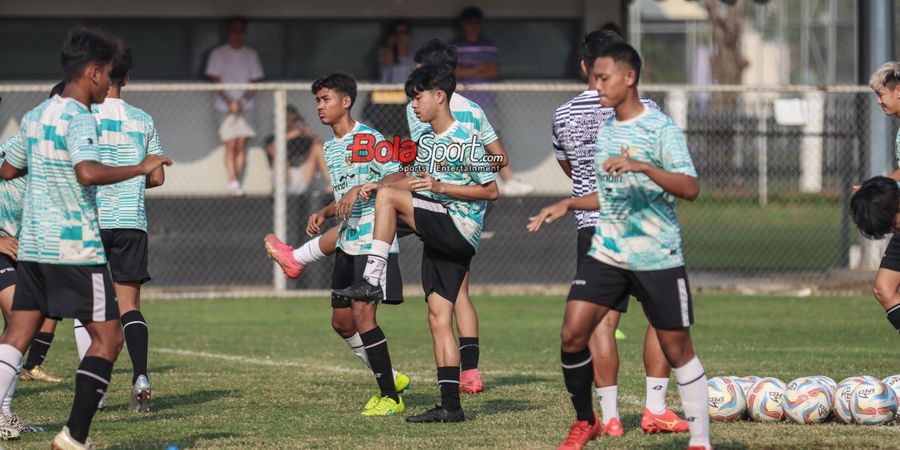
(101, 405)
(140, 395)
(20, 425)
(7, 431)
(65, 441)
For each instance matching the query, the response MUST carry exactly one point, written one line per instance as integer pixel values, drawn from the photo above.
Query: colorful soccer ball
(842, 399)
(746, 382)
(807, 401)
(726, 399)
(893, 382)
(873, 403)
(764, 403)
(828, 382)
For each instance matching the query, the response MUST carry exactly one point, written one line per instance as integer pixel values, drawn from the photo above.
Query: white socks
(356, 344)
(7, 401)
(656, 394)
(377, 262)
(10, 363)
(82, 338)
(691, 380)
(309, 252)
(607, 396)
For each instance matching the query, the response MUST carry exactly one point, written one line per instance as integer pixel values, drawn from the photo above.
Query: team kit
(73, 233)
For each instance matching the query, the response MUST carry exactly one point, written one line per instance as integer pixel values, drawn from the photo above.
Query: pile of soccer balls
(864, 400)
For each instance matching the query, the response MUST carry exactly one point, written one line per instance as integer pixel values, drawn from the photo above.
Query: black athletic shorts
(127, 253)
(349, 268)
(62, 291)
(446, 254)
(664, 294)
(891, 258)
(585, 236)
(7, 272)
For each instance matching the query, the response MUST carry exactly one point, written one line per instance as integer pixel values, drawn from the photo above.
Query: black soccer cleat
(361, 291)
(438, 414)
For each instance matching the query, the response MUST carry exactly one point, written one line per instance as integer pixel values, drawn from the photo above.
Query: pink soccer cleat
(282, 254)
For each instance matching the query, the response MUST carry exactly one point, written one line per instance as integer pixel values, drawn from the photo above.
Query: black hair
(339, 82)
(57, 89)
(84, 46)
(612, 27)
(472, 12)
(622, 52)
(430, 77)
(122, 64)
(436, 52)
(594, 43)
(239, 19)
(874, 206)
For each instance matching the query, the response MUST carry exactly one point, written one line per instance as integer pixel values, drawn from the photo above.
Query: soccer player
(886, 84)
(445, 206)
(355, 320)
(642, 165)
(575, 126)
(61, 266)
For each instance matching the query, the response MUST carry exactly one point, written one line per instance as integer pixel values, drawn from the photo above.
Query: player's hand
(618, 165)
(9, 246)
(153, 162)
(547, 215)
(366, 190)
(424, 183)
(855, 188)
(345, 206)
(314, 224)
(234, 107)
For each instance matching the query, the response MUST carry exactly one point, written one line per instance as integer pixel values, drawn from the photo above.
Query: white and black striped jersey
(576, 125)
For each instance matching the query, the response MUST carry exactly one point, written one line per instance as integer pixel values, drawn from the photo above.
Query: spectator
(396, 58)
(386, 110)
(233, 62)
(305, 156)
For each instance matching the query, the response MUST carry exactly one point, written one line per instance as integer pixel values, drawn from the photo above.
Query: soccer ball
(893, 382)
(842, 398)
(873, 403)
(828, 382)
(745, 382)
(807, 401)
(726, 399)
(765, 400)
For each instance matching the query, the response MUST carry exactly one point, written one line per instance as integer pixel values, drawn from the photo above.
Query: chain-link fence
(776, 167)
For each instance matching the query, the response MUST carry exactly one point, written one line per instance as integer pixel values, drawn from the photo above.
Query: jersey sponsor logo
(423, 155)
(579, 283)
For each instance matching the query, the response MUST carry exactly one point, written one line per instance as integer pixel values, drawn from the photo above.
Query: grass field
(267, 373)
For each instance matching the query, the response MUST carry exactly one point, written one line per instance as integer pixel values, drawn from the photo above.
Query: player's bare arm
(679, 185)
(92, 173)
(554, 212)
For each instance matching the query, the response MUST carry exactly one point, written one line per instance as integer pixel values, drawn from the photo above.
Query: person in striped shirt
(575, 128)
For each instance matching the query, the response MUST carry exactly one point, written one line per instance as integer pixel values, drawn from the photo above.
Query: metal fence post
(279, 218)
(811, 153)
(762, 128)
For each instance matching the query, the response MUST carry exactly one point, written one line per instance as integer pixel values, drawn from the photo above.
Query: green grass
(270, 373)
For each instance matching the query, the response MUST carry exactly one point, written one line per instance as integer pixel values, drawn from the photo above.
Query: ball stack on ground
(746, 382)
(807, 401)
(764, 402)
(726, 399)
(843, 396)
(873, 403)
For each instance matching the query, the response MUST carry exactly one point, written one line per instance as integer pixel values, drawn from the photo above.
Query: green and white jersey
(355, 234)
(12, 192)
(59, 221)
(637, 228)
(127, 135)
(467, 169)
(467, 112)
(897, 148)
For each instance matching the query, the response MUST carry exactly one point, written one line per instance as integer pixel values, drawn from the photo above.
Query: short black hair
(122, 64)
(874, 206)
(472, 12)
(437, 52)
(339, 82)
(594, 43)
(430, 77)
(239, 19)
(57, 89)
(84, 46)
(612, 27)
(622, 52)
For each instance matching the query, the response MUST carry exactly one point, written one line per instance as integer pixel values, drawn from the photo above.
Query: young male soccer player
(445, 207)
(642, 164)
(886, 84)
(471, 117)
(355, 320)
(61, 267)
(575, 126)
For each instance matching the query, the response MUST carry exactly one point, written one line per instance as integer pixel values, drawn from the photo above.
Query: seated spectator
(386, 110)
(305, 156)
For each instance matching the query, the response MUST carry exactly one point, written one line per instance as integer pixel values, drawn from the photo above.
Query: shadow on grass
(187, 442)
(124, 367)
(167, 402)
(513, 380)
(730, 445)
(34, 387)
(499, 406)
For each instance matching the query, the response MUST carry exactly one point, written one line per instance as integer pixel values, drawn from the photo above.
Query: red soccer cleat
(580, 433)
(613, 428)
(699, 447)
(282, 254)
(667, 422)
(470, 382)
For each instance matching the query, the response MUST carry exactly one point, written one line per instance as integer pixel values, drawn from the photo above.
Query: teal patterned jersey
(467, 112)
(355, 234)
(59, 221)
(469, 169)
(127, 135)
(637, 228)
(12, 192)
(897, 148)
